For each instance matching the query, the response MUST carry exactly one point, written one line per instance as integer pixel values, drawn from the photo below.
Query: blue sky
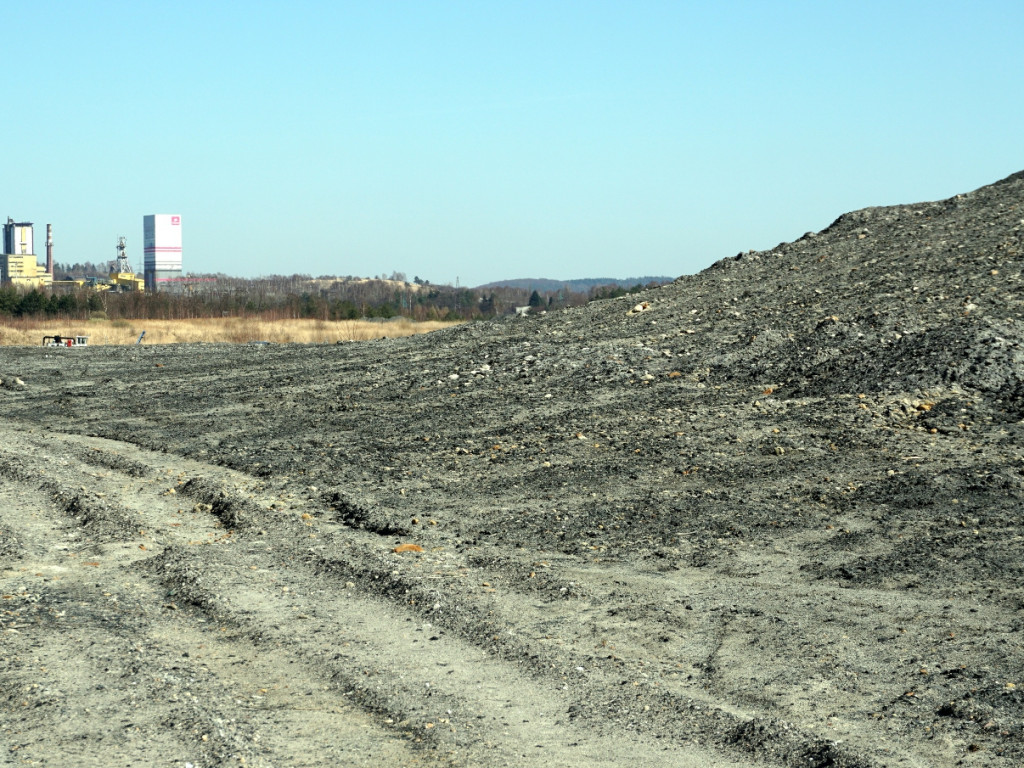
(476, 141)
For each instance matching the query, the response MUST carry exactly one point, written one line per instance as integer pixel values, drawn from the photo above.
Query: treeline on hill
(297, 296)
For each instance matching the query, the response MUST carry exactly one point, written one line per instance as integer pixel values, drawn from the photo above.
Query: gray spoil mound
(772, 510)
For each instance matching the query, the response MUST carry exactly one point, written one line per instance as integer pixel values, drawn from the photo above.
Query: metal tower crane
(122, 265)
(122, 276)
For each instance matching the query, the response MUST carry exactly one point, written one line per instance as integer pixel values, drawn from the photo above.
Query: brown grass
(237, 330)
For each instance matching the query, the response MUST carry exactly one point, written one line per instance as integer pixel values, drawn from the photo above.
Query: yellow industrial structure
(18, 264)
(22, 270)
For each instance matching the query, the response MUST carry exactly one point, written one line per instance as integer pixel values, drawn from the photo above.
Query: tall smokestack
(49, 249)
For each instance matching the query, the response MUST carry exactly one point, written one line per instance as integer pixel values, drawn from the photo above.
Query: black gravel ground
(773, 508)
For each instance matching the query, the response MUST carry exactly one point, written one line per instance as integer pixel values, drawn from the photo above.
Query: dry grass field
(239, 330)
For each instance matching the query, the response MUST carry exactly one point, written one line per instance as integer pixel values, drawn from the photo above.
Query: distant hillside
(581, 285)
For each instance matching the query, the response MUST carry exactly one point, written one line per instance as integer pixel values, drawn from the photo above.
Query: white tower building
(161, 242)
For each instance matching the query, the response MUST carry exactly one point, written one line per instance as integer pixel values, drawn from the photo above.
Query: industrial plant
(18, 265)
(162, 271)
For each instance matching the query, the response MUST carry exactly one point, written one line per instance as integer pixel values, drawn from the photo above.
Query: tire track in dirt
(80, 622)
(175, 510)
(280, 670)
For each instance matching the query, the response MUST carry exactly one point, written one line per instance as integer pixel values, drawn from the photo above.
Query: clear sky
(477, 141)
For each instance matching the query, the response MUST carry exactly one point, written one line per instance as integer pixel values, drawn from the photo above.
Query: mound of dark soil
(777, 501)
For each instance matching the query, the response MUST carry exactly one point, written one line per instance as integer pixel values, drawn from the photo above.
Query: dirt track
(772, 519)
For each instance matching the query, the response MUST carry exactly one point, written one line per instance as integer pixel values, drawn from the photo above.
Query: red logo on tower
(175, 221)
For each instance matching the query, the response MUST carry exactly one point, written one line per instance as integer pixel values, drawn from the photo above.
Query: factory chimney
(49, 249)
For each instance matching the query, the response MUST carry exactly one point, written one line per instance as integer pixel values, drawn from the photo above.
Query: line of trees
(14, 303)
(295, 296)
